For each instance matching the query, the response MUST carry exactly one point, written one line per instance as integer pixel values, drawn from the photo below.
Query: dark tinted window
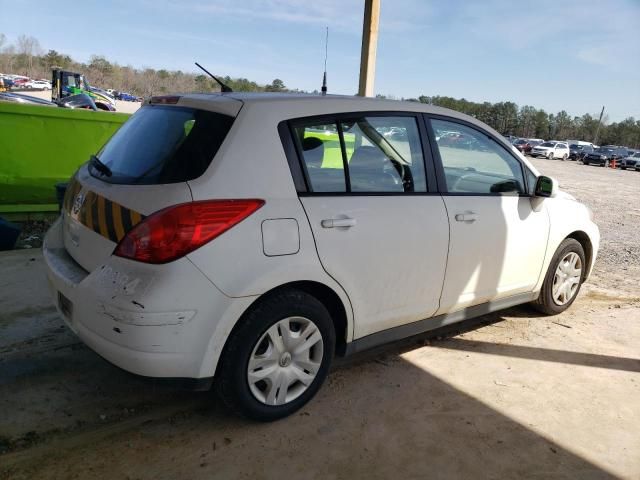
(163, 145)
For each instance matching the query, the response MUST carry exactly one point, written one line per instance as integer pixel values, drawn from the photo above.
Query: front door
(498, 241)
(377, 230)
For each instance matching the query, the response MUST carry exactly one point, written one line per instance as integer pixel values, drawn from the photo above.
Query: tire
(606, 164)
(550, 156)
(564, 157)
(252, 340)
(546, 303)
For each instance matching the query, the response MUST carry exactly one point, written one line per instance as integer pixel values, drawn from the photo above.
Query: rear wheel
(277, 357)
(564, 157)
(563, 279)
(606, 164)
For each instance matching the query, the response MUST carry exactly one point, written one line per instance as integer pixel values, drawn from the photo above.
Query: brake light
(164, 100)
(175, 231)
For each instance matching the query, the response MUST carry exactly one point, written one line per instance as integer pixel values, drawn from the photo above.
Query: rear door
(149, 161)
(498, 240)
(379, 230)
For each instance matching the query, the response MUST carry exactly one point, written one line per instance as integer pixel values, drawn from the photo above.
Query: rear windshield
(163, 145)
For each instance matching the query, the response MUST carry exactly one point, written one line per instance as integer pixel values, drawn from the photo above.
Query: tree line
(530, 122)
(27, 57)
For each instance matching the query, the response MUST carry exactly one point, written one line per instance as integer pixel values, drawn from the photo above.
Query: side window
(475, 163)
(322, 155)
(384, 154)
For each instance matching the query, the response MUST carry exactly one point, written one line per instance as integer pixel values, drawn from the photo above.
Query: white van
(246, 239)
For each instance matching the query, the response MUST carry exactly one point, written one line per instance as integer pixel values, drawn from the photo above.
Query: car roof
(290, 105)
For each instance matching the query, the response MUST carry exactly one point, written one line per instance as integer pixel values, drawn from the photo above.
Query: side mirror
(545, 187)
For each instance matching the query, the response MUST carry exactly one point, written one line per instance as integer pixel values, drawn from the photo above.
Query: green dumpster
(41, 146)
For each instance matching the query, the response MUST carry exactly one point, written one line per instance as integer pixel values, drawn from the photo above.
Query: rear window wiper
(96, 163)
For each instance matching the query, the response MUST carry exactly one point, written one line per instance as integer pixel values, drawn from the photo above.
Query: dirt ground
(514, 395)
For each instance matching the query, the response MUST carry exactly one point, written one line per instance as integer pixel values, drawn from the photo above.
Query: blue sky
(575, 55)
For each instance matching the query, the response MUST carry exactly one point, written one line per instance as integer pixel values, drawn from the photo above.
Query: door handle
(338, 222)
(469, 217)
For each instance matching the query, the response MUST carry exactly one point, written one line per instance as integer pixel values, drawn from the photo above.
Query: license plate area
(65, 305)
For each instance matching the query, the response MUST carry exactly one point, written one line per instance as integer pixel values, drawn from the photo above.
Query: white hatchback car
(551, 150)
(250, 238)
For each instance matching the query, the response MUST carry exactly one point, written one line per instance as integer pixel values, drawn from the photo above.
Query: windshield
(163, 145)
(603, 150)
(548, 144)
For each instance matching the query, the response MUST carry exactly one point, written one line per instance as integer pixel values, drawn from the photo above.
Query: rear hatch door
(149, 161)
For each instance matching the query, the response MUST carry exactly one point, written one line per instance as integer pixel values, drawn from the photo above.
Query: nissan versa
(243, 240)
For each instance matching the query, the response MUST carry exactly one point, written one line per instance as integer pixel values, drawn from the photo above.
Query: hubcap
(567, 278)
(285, 361)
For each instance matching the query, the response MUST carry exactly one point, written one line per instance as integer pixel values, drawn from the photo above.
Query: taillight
(175, 231)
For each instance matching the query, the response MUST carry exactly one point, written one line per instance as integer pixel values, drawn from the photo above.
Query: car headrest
(313, 149)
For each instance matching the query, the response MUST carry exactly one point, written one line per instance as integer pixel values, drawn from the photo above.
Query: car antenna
(224, 88)
(324, 77)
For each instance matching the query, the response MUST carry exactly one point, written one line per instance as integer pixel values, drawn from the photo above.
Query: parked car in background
(631, 161)
(526, 145)
(38, 84)
(522, 145)
(20, 82)
(551, 150)
(126, 97)
(227, 239)
(604, 155)
(576, 151)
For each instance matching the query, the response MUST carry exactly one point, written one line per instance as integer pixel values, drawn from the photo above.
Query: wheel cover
(285, 361)
(567, 278)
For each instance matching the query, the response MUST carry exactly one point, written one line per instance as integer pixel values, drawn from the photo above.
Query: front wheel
(564, 278)
(550, 155)
(564, 157)
(606, 164)
(277, 357)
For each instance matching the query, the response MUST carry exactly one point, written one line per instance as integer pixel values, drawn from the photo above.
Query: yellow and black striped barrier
(103, 216)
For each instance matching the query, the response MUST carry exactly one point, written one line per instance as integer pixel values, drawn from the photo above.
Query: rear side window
(163, 145)
(322, 156)
(368, 154)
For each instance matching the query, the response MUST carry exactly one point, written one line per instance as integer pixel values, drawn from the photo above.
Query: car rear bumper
(151, 320)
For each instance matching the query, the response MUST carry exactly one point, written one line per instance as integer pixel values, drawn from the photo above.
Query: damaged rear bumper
(151, 320)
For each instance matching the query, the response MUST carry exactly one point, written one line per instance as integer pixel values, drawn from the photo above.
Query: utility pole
(595, 139)
(369, 45)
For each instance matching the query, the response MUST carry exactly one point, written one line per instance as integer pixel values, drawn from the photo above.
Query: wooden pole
(369, 45)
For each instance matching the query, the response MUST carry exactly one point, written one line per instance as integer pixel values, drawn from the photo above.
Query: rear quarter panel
(251, 164)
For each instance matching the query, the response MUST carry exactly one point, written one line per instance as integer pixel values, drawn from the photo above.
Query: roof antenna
(223, 87)
(324, 77)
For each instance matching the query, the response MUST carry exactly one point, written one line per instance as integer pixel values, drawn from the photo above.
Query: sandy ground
(512, 396)
(124, 107)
